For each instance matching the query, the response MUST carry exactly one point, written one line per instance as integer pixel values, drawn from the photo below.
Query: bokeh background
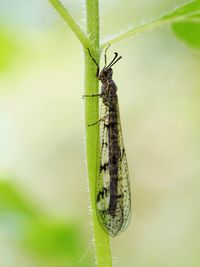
(44, 218)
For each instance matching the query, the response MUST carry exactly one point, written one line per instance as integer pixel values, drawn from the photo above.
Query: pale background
(44, 218)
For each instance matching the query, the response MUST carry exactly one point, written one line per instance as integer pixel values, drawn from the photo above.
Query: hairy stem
(132, 31)
(101, 239)
(65, 14)
(91, 41)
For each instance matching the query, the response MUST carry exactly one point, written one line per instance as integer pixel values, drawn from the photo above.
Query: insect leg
(93, 95)
(97, 74)
(102, 119)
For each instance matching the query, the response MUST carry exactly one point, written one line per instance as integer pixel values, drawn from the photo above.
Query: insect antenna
(105, 55)
(97, 74)
(115, 59)
(113, 63)
(115, 56)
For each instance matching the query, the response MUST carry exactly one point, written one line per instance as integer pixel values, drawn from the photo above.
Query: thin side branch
(65, 14)
(147, 26)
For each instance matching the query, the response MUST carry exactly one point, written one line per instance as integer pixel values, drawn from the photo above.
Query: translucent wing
(113, 217)
(124, 183)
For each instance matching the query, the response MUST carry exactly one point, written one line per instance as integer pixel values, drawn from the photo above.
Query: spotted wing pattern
(115, 221)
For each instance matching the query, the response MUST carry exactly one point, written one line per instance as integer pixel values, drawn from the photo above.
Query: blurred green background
(44, 217)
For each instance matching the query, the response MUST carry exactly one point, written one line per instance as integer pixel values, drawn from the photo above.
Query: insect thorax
(109, 92)
(105, 74)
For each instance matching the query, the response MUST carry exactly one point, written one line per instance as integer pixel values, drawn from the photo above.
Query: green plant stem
(101, 239)
(65, 14)
(91, 41)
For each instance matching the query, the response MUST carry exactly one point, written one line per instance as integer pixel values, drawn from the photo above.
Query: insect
(113, 197)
